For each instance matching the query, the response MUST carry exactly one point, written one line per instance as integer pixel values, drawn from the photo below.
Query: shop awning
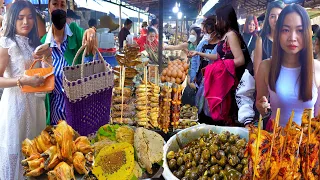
(37, 1)
(107, 7)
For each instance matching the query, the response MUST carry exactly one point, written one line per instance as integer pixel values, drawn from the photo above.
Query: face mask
(207, 36)
(59, 18)
(192, 38)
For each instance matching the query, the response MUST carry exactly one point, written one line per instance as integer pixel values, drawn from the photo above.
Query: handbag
(46, 73)
(88, 93)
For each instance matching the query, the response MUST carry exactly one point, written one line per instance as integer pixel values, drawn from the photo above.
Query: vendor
(149, 40)
(189, 93)
(65, 40)
(124, 32)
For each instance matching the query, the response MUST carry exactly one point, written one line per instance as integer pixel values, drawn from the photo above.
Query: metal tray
(190, 134)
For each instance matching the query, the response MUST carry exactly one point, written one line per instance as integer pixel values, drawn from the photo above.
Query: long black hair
(305, 55)
(12, 17)
(266, 29)
(227, 19)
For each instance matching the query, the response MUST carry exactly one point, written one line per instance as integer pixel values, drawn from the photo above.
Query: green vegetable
(134, 178)
(108, 131)
(160, 163)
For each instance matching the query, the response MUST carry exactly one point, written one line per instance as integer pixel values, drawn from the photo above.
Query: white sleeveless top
(287, 96)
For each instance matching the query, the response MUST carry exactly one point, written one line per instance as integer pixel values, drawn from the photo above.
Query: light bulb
(175, 9)
(179, 15)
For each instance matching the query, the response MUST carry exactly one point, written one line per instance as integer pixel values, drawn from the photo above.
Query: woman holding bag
(65, 40)
(22, 114)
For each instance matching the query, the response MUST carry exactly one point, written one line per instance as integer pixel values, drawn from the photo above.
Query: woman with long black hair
(264, 41)
(250, 30)
(22, 114)
(291, 77)
(231, 47)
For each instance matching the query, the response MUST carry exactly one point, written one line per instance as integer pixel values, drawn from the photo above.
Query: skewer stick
(120, 76)
(275, 126)
(298, 151)
(122, 90)
(308, 144)
(257, 147)
(156, 75)
(146, 89)
(288, 127)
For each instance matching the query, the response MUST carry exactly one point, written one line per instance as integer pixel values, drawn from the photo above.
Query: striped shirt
(57, 103)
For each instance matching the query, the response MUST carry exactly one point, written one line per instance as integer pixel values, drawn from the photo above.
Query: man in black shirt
(124, 32)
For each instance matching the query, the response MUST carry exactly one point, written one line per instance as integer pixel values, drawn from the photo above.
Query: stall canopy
(189, 8)
(107, 7)
(37, 1)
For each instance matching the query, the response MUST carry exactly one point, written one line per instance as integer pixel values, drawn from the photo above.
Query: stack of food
(176, 72)
(211, 156)
(56, 152)
(154, 104)
(165, 106)
(176, 104)
(130, 56)
(143, 91)
(130, 73)
(132, 52)
(122, 107)
(189, 112)
(123, 152)
(291, 152)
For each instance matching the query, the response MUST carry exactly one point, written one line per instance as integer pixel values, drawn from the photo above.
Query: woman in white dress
(22, 115)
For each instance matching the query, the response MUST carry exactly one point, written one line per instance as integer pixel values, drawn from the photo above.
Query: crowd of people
(239, 76)
(234, 76)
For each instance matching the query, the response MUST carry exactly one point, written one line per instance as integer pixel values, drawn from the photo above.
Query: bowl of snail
(207, 152)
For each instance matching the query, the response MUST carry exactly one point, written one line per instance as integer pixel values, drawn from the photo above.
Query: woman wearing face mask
(65, 40)
(150, 40)
(188, 96)
(291, 77)
(264, 41)
(22, 114)
(191, 44)
(249, 32)
(233, 57)
(198, 63)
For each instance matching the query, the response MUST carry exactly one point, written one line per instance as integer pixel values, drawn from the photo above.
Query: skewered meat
(310, 147)
(176, 102)
(165, 105)
(83, 145)
(61, 172)
(64, 136)
(79, 163)
(260, 165)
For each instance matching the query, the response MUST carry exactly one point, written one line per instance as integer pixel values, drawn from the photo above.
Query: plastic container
(190, 134)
